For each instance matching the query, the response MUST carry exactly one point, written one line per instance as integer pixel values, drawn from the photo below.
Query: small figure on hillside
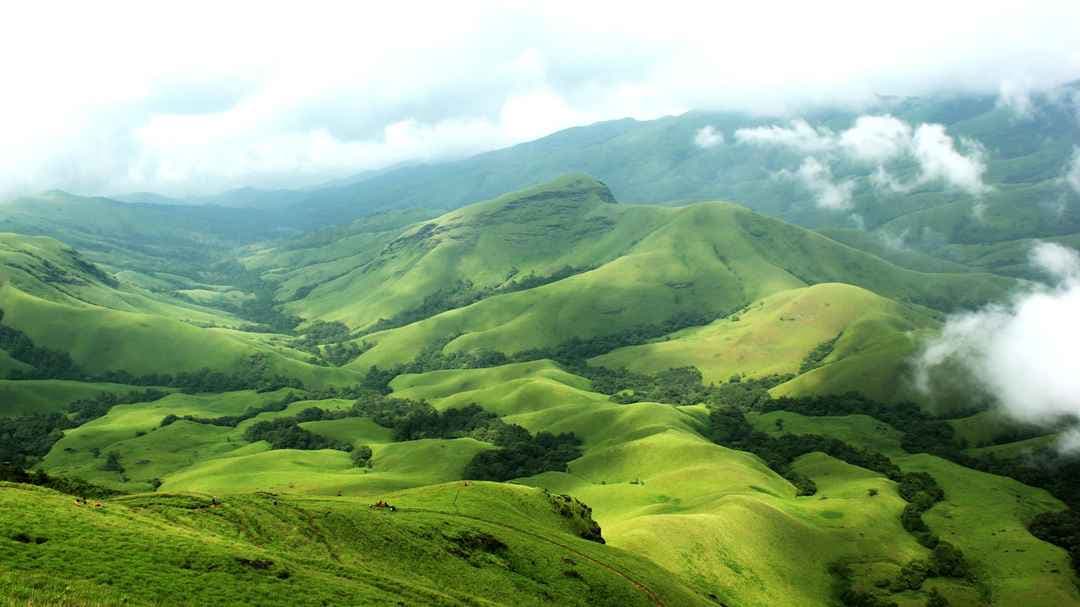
(383, 505)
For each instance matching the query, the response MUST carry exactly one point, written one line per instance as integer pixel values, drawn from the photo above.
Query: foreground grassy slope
(496, 544)
(709, 259)
(719, 520)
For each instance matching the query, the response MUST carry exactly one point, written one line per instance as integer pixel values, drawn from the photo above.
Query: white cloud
(708, 137)
(879, 140)
(1017, 97)
(817, 177)
(939, 158)
(92, 91)
(1022, 354)
(1072, 173)
(799, 136)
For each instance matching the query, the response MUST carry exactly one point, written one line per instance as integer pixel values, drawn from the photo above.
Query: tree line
(517, 452)
(25, 439)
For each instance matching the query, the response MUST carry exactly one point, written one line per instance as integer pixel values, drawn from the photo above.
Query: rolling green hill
(550, 337)
(539, 267)
(865, 334)
(445, 545)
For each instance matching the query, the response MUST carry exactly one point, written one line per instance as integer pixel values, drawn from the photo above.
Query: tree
(361, 456)
(936, 599)
(112, 463)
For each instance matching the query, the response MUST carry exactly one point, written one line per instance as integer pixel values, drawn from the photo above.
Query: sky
(194, 98)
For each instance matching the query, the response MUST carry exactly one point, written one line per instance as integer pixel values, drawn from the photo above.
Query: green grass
(985, 428)
(718, 520)
(774, 335)
(28, 396)
(182, 549)
(395, 466)
(101, 339)
(651, 263)
(859, 430)
(986, 516)
(146, 450)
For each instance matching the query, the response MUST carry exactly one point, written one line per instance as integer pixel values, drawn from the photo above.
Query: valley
(474, 383)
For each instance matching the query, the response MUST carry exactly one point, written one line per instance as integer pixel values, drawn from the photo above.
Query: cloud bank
(1023, 354)
(186, 99)
(881, 141)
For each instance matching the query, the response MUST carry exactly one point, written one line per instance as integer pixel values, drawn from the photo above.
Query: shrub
(361, 456)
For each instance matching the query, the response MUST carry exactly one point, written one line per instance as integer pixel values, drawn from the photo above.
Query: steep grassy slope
(50, 270)
(650, 264)
(567, 223)
(101, 339)
(63, 302)
(299, 265)
(495, 545)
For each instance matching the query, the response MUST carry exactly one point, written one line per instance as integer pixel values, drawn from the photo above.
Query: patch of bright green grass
(183, 549)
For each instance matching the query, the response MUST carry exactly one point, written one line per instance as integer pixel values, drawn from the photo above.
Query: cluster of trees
(571, 354)
(921, 432)
(27, 438)
(946, 560)
(328, 343)
(262, 309)
(71, 486)
(1045, 468)
(522, 454)
(46, 363)
(231, 421)
(286, 433)
(254, 373)
(518, 452)
(575, 351)
(679, 386)
(728, 426)
(817, 355)
(911, 577)
(921, 491)
(341, 353)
